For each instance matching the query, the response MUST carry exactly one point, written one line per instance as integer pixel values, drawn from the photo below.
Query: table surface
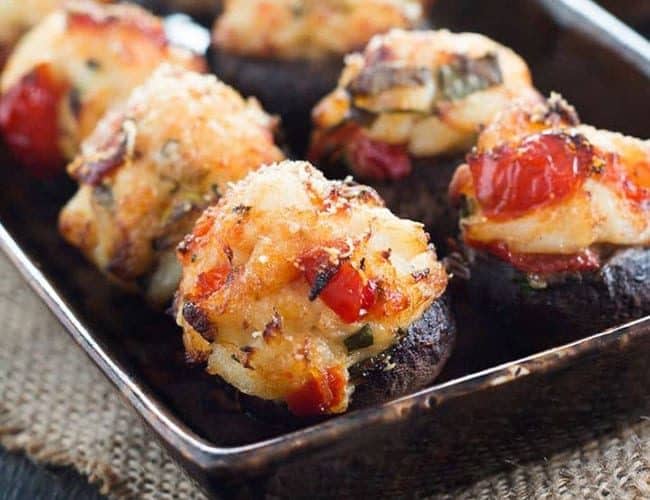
(20, 478)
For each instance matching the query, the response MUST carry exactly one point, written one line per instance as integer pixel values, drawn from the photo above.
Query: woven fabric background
(58, 408)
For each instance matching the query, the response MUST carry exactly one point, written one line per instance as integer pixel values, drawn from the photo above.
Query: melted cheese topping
(423, 89)
(308, 28)
(257, 235)
(101, 53)
(598, 212)
(152, 166)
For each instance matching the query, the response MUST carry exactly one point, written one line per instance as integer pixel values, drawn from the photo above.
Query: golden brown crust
(248, 302)
(308, 28)
(152, 165)
(101, 52)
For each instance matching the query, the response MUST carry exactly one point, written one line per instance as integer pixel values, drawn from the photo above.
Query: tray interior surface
(146, 344)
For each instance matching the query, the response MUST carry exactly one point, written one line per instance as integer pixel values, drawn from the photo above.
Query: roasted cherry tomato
(543, 169)
(29, 114)
(322, 392)
(378, 160)
(369, 159)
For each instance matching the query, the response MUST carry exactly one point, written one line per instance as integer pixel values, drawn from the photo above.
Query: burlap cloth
(58, 408)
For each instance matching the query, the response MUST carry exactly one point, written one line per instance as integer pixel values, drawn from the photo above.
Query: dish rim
(262, 453)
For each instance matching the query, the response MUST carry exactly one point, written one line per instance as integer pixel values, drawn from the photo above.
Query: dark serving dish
(494, 406)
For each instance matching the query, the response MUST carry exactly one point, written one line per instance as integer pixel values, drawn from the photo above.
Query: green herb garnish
(359, 340)
(464, 76)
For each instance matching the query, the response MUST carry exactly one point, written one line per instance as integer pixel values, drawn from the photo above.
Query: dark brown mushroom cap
(571, 306)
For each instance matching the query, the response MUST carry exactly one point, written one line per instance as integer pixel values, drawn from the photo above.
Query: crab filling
(281, 295)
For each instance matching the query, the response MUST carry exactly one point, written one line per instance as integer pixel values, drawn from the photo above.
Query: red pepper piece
(341, 287)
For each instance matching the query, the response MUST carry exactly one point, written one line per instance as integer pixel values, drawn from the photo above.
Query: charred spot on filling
(420, 274)
(189, 241)
(559, 111)
(242, 209)
(273, 328)
(74, 101)
(198, 319)
(94, 170)
(247, 356)
(184, 246)
(228, 251)
(326, 271)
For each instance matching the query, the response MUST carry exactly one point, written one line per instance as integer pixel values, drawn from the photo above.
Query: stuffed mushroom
(311, 294)
(406, 100)
(67, 71)
(556, 222)
(289, 53)
(153, 165)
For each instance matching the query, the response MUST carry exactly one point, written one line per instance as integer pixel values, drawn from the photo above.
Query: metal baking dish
(493, 407)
